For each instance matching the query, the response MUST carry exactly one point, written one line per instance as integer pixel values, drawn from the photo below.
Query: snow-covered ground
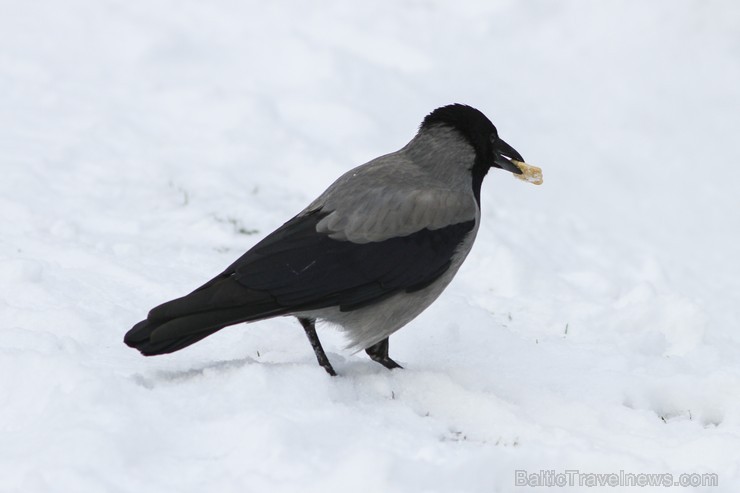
(595, 326)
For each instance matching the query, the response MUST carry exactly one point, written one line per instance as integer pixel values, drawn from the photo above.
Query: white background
(596, 324)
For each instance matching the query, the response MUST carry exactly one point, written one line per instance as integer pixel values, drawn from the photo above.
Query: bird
(368, 255)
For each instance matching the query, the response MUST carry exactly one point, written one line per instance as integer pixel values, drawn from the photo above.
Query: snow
(594, 326)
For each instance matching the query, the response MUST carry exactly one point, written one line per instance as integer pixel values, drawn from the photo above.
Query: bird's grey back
(426, 184)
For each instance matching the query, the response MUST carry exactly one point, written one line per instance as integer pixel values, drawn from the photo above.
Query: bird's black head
(481, 134)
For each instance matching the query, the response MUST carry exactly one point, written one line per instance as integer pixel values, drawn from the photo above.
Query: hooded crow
(368, 255)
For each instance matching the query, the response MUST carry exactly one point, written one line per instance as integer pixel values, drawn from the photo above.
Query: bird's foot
(379, 353)
(310, 328)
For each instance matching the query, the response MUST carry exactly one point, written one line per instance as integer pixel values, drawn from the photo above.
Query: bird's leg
(313, 338)
(378, 352)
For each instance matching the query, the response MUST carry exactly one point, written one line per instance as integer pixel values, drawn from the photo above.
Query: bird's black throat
(479, 171)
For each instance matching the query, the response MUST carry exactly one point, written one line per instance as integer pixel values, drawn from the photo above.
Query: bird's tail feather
(185, 321)
(139, 338)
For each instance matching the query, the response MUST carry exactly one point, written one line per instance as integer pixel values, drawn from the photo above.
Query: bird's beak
(507, 158)
(504, 154)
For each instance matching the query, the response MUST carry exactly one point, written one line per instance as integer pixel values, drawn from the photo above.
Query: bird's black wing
(296, 269)
(303, 269)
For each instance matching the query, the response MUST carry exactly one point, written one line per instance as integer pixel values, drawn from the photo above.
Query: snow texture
(594, 326)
